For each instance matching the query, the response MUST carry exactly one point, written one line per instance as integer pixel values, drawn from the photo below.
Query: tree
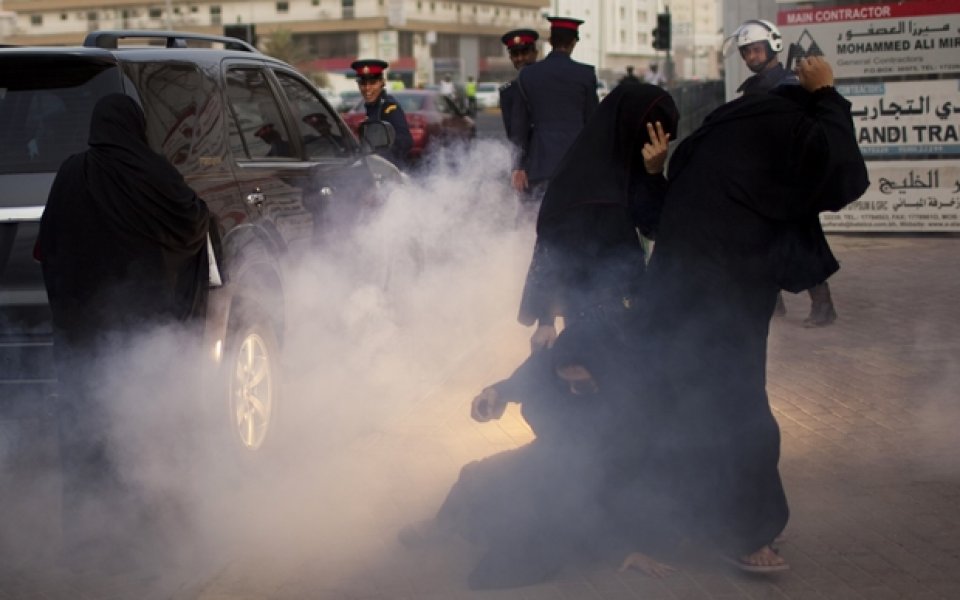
(280, 44)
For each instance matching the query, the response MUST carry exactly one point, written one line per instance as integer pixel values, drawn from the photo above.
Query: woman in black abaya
(740, 222)
(123, 244)
(588, 259)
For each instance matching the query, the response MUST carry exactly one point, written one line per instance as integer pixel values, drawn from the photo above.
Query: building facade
(619, 33)
(422, 39)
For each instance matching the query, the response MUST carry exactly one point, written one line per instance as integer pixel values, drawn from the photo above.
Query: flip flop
(749, 567)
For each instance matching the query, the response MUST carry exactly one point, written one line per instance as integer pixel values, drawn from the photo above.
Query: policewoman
(382, 107)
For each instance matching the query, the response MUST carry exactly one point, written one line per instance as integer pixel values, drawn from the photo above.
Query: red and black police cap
(369, 68)
(566, 23)
(520, 39)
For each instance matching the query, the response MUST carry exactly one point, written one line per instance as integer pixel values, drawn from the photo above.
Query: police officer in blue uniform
(382, 107)
(557, 95)
(522, 47)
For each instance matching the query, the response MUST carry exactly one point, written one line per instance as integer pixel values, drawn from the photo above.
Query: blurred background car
(434, 119)
(488, 95)
(348, 100)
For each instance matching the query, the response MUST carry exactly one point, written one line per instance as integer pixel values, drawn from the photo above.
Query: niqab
(139, 191)
(605, 161)
(122, 238)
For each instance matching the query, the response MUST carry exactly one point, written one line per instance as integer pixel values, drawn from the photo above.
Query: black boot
(822, 312)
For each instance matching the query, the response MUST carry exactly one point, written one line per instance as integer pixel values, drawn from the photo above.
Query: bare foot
(646, 565)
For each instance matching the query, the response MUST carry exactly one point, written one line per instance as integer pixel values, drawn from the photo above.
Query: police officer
(382, 107)
(557, 95)
(759, 43)
(522, 47)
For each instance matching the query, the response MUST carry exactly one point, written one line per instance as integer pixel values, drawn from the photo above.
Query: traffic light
(661, 35)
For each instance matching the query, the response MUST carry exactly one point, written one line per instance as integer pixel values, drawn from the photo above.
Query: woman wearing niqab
(588, 259)
(740, 221)
(123, 246)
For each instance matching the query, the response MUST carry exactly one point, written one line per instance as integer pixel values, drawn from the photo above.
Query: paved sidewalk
(870, 415)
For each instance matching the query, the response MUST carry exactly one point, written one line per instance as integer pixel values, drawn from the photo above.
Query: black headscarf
(122, 238)
(139, 191)
(603, 164)
(588, 257)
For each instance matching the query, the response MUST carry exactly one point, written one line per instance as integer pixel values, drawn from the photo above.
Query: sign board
(904, 196)
(906, 118)
(898, 63)
(907, 38)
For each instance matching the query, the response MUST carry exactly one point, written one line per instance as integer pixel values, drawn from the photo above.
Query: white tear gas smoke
(375, 324)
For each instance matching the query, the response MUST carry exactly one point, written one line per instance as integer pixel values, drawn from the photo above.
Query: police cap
(369, 68)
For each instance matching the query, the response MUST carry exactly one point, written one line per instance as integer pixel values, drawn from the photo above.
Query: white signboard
(904, 196)
(906, 118)
(907, 38)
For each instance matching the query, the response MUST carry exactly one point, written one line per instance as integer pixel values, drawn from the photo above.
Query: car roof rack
(174, 39)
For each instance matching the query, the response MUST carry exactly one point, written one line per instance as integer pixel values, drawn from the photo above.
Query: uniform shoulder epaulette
(389, 107)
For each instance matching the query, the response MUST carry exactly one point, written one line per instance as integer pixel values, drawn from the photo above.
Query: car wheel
(253, 386)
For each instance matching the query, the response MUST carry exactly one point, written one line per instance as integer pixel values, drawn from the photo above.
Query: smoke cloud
(397, 309)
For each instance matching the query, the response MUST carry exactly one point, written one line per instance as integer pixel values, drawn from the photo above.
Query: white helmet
(752, 31)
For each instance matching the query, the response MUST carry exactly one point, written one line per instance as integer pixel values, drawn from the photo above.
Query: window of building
(155, 13)
(347, 7)
(283, 7)
(315, 2)
(36, 20)
(623, 12)
(215, 15)
(64, 16)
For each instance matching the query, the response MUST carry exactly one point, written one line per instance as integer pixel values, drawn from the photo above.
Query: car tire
(252, 386)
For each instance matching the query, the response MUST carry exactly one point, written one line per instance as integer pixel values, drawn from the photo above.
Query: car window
(173, 96)
(487, 87)
(410, 102)
(257, 130)
(45, 108)
(320, 130)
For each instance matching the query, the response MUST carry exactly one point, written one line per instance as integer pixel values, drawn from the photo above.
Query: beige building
(422, 39)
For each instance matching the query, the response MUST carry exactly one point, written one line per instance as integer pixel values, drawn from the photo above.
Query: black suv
(255, 139)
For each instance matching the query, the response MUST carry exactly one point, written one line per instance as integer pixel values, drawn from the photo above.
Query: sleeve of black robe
(824, 149)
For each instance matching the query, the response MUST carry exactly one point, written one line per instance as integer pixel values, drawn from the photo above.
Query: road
(867, 409)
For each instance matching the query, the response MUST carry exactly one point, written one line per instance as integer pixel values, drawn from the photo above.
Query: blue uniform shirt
(386, 109)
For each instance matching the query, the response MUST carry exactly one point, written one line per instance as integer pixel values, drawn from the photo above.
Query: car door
(267, 158)
(340, 185)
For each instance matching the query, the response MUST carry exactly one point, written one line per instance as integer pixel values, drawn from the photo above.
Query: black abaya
(588, 258)
(739, 223)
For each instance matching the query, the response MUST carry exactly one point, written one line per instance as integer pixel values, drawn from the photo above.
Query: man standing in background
(759, 42)
(522, 47)
(556, 96)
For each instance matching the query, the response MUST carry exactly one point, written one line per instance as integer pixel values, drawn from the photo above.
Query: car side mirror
(377, 135)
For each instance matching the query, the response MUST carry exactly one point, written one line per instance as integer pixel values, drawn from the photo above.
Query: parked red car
(434, 119)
